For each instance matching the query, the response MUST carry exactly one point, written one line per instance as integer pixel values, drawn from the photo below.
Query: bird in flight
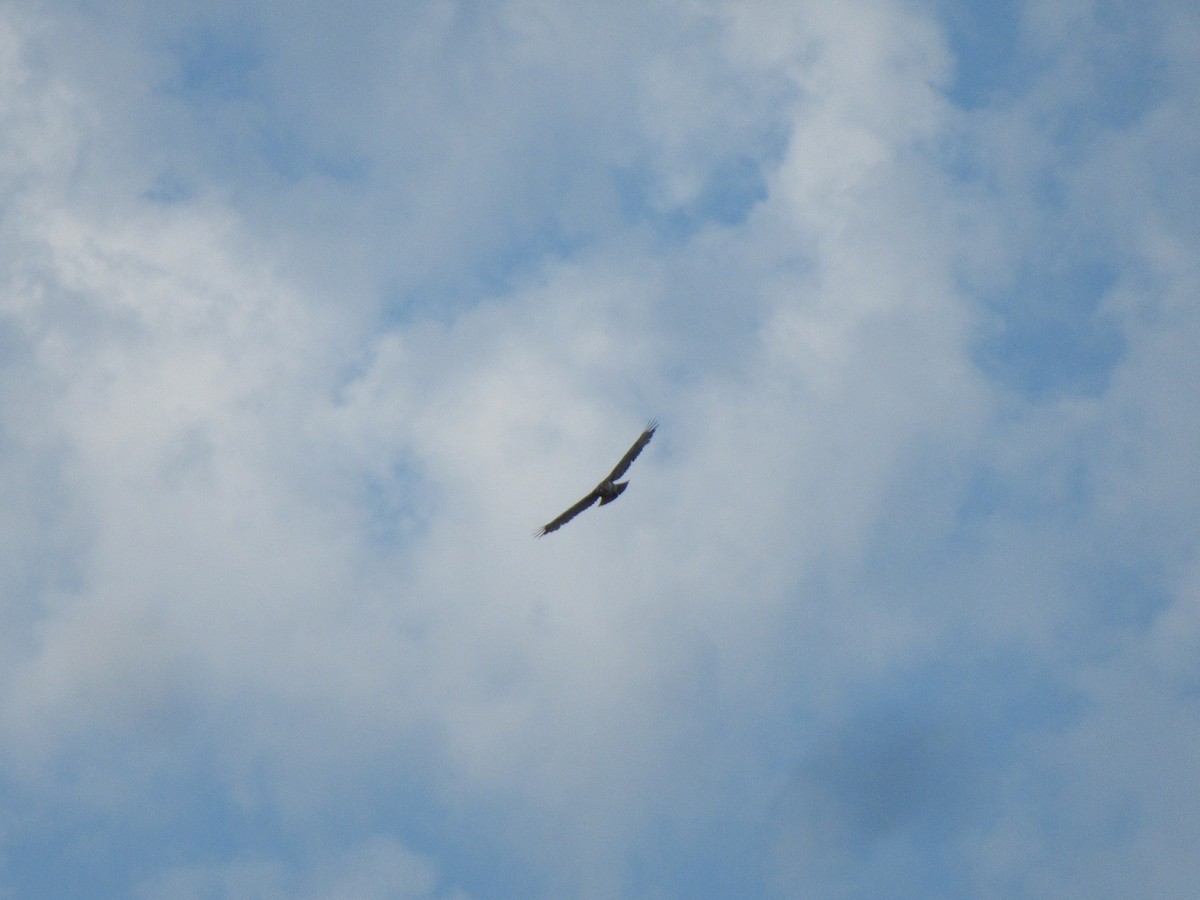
(609, 489)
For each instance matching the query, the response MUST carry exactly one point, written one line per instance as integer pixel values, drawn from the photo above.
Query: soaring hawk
(609, 489)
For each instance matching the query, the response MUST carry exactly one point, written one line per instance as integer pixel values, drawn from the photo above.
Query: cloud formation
(309, 316)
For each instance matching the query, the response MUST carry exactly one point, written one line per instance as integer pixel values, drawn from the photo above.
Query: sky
(312, 313)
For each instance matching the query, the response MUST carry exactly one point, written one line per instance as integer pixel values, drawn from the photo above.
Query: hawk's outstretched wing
(632, 453)
(569, 514)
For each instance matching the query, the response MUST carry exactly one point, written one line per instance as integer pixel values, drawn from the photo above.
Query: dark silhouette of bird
(609, 489)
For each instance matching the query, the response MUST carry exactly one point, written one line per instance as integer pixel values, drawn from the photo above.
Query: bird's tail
(618, 489)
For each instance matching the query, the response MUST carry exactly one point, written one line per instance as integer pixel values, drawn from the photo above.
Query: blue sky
(310, 314)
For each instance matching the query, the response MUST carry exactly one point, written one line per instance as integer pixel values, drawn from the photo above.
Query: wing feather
(569, 514)
(632, 453)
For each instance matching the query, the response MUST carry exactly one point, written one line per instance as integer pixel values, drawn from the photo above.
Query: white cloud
(283, 432)
(379, 869)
